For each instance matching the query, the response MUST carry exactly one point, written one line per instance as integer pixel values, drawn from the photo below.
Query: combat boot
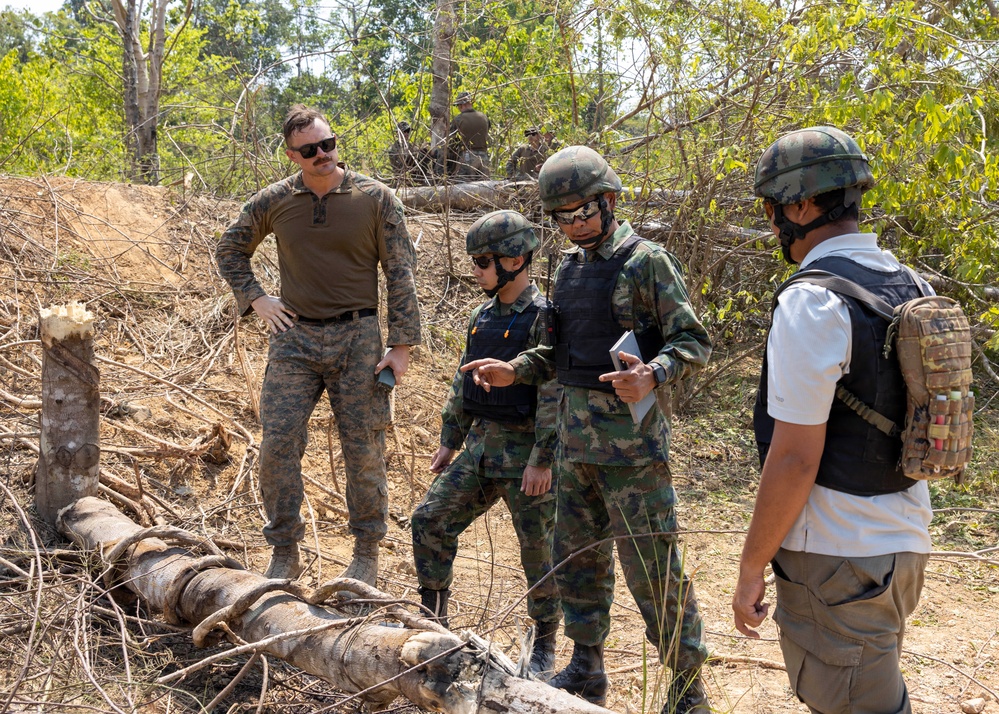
(436, 602)
(686, 694)
(286, 563)
(584, 675)
(364, 565)
(543, 653)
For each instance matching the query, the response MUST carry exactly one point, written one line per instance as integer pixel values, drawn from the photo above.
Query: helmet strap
(504, 276)
(791, 231)
(606, 218)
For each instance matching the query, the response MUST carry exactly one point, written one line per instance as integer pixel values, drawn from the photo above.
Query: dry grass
(174, 371)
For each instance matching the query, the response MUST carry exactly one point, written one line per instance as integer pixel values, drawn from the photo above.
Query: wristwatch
(659, 373)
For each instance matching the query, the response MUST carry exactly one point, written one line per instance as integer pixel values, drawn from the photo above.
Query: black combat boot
(686, 694)
(584, 675)
(543, 654)
(436, 602)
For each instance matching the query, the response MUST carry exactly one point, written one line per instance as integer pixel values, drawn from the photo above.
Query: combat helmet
(573, 174)
(811, 161)
(805, 164)
(504, 233)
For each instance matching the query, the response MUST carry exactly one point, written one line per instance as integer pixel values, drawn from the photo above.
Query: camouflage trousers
(460, 495)
(596, 502)
(473, 166)
(302, 362)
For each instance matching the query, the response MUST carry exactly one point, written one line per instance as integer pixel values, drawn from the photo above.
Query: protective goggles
(585, 212)
(483, 261)
(309, 150)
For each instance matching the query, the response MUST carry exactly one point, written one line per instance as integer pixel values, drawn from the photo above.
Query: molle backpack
(932, 339)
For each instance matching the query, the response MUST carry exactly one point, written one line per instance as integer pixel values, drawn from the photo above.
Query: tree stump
(69, 457)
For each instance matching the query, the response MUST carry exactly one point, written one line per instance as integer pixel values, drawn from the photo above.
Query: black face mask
(504, 276)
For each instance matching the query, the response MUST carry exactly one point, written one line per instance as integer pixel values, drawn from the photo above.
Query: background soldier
(526, 160)
(509, 436)
(333, 228)
(613, 476)
(845, 530)
(469, 140)
(401, 156)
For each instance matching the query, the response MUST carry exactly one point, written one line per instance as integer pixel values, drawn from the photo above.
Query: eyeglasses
(309, 150)
(585, 212)
(483, 261)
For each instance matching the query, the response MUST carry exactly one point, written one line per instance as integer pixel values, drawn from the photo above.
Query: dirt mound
(176, 367)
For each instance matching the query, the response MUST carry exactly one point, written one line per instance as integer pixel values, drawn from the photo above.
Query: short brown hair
(299, 118)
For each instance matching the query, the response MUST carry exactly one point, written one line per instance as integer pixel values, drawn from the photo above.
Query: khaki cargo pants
(841, 622)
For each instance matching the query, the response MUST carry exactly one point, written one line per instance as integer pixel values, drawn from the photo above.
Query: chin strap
(606, 218)
(791, 231)
(504, 276)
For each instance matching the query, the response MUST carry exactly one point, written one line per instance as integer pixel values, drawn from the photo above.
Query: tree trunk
(471, 196)
(440, 71)
(143, 81)
(69, 448)
(353, 654)
(517, 195)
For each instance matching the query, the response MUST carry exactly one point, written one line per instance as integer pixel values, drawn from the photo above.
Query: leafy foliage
(683, 97)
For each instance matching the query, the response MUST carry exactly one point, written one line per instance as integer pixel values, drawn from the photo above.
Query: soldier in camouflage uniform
(526, 160)
(509, 437)
(845, 531)
(613, 475)
(333, 228)
(468, 140)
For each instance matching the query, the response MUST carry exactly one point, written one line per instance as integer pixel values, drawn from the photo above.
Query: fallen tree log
(494, 195)
(431, 667)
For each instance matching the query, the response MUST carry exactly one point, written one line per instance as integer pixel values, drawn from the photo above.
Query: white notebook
(628, 343)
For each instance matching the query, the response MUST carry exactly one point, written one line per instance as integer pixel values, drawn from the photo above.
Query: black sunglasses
(587, 211)
(483, 261)
(309, 150)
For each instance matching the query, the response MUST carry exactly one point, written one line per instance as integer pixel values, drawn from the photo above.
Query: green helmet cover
(505, 233)
(811, 161)
(574, 174)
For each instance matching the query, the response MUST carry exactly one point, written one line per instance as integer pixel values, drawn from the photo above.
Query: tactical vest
(502, 337)
(858, 458)
(586, 326)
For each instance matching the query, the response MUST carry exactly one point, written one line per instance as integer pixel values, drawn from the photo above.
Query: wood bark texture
(440, 72)
(516, 195)
(69, 444)
(353, 653)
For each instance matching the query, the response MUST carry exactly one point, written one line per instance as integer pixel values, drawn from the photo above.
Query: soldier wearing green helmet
(509, 437)
(613, 475)
(845, 531)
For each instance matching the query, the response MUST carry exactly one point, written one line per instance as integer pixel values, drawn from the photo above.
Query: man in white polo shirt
(845, 531)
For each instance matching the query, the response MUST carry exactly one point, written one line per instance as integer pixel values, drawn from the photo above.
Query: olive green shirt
(329, 249)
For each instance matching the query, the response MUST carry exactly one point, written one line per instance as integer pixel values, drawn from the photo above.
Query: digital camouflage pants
(303, 362)
(460, 495)
(596, 502)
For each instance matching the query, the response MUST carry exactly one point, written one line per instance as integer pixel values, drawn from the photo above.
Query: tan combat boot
(285, 563)
(364, 566)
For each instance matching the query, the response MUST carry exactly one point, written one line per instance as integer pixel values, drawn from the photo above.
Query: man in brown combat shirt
(333, 227)
(468, 137)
